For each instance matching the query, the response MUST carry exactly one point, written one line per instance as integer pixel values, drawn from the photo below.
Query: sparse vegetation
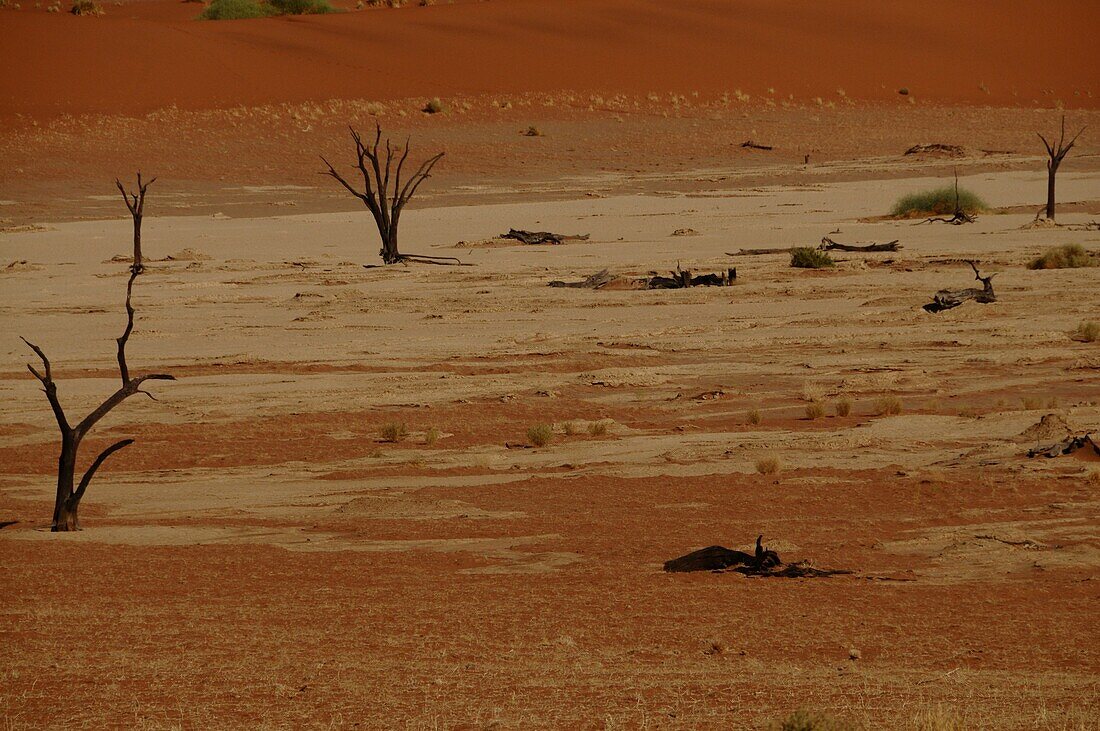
(843, 407)
(598, 428)
(1031, 403)
(431, 436)
(806, 258)
(887, 406)
(570, 428)
(1068, 256)
(754, 417)
(236, 10)
(937, 202)
(86, 7)
(244, 9)
(814, 411)
(767, 465)
(803, 720)
(540, 435)
(1088, 331)
(393, 432)
(434, 106)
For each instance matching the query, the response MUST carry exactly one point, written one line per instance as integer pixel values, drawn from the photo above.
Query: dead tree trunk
(960, 216)
(1057, 153)
(947, 299)
(386, 203)
(69, 492)
(135, 202)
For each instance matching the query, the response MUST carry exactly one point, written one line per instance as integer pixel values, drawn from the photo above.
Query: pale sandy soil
(259, 558)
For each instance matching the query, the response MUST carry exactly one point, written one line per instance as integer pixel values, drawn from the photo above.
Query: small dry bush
(569, 428)
(393, 432)
(767, 465)
(843, 407)
(1069, 256)
(1088, 331)
(887, 406)
(434, 106)
(86, 7)
(814, 411)
(807, 258)
(754, 417)
(803, 720)
(598, 428)
(540, 435)
(1030, 403)
(431, 436)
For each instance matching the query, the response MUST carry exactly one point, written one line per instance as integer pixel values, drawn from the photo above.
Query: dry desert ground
(336, 517)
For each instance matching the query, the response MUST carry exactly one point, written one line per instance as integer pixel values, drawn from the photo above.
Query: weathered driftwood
(541, 237)
(761, 252)
(753, 146)
(682, 279)
(947, 299)
(679, 279)
(595, 281)
(718, 558)
(827, 244)
(762, 562)
(1068, 445)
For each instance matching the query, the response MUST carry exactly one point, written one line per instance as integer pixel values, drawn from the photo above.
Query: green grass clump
(236, 10)
(937, 202)
(540, 435)
(807, 258)
(243, 9)
(1069, 256)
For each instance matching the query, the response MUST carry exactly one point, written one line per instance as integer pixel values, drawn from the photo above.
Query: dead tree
(135, 202)
(1057, 153)
(947, 299)
(69, 492)
(383, 200)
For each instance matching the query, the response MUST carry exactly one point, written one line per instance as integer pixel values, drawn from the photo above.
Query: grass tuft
(1069, 256)
(937, 202)
(598, 428)
(767, 465)
(434, 106)
(1088, 331)
(236, 10)
(431, 436)
(887, 406)
(843, 407)
(814, 411)
(540, 435)
(754, 417)
(393, 432)
(806, 258)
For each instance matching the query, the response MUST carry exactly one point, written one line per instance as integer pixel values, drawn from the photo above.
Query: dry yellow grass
(767, 465)
(754, 417)
(814, 411)
(887, 406)
(843, 407)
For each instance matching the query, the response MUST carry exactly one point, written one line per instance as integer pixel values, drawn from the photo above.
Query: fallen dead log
(679, 279)
(762, 562)
(595, 281)
(753, 146)
(718, 558)
(761, 252)
(682, 279)
(827, 244)
(936, 148)
(541, 237)
(1066, 446)
(947, 299)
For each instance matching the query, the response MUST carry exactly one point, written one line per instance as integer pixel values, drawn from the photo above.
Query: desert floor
(262, 558)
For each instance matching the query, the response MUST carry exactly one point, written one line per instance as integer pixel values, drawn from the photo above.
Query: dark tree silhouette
(135, 202)
(1057, 153)
(384, 192)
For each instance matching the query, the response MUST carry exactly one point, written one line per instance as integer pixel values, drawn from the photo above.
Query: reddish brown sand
(148, 55)
(259, 558)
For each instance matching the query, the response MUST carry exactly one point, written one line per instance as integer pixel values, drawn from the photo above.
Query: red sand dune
(147, 55)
